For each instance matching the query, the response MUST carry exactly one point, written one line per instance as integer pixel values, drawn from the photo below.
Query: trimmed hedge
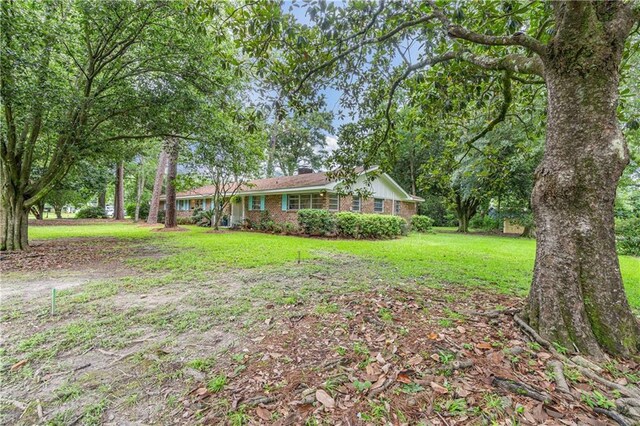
(347, 224)
(374, 226)
(316, 222)
(91, 213)
(421, 223)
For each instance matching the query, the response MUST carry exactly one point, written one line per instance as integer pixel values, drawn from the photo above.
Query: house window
(182, 205)
(396, 207)
(356, 202)
(334, 202)
(378, 205)
(305, 201)
(256, 203)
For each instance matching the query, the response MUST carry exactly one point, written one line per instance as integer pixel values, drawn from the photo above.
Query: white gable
(381, 186)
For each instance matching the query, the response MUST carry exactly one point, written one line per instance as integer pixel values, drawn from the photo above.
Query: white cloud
(332, 143)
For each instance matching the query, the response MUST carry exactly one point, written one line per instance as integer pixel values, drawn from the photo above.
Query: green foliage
(597, 399)
(421, 223)
(216, 384)
(130, 210)
(316, 221)
(628, 236)
(91, 213)
(485, 223)
(185, 220)
(347, 224)
(361, 386)
(203, 217)
(369, 226)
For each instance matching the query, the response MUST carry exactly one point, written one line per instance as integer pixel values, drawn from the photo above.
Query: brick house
(283, 196)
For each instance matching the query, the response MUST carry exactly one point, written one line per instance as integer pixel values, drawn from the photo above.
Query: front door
(236, 213)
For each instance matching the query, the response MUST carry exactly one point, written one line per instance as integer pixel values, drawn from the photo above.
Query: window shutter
(250, 202)
(285, 201)
(262, 197)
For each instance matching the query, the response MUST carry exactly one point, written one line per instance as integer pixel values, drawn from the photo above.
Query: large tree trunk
(170, 219)
(118, 197)
(38, 210)
(102, 199)
(58, 210)
(14, 220)
(465, 210)
(157, 189)
(577, 298)
(140, 190)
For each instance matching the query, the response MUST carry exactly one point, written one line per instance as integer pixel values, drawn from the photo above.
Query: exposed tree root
(618, 418)
(558, 373)
(519, 388)
(592, 371)
(260, 400)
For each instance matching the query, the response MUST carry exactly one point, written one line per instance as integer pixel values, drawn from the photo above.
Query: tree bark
(577, 298)
(140, 190)
(102, 199)
(465, 210)
(58, 210)
(38, 210)
(157, 189)
(170, 218)
(118, 197)
(14, 219)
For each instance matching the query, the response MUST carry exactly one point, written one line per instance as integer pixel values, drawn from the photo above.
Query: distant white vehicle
(109, 210)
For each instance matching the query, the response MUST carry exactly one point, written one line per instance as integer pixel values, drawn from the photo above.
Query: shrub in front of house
(380, 226)
(374, 226)
(185, 220)
(628, 236)
(203, 217)
(91, 213)
(347, 224)
(316, 222)
(421, 223)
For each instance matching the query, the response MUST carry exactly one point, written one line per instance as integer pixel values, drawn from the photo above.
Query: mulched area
(447, 356)
(68, 253)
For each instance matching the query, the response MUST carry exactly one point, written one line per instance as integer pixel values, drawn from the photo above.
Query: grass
(178, 316)
(502, 264)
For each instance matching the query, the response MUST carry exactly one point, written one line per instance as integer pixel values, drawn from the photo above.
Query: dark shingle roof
(270, 184)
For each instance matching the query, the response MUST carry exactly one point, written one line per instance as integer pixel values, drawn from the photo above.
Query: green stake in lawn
(298, 257)
(53, 301)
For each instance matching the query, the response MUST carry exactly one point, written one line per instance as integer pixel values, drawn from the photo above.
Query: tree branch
(513, 63)
(369, 41)
(517, 39)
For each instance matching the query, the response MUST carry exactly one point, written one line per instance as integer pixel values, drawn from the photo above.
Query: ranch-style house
(283, 196)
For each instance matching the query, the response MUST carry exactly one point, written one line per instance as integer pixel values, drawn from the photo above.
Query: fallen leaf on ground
(325, 399)
(18, 365)
(263, 413)
(438, 388)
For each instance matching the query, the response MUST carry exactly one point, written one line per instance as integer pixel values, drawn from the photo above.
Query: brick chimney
(304, 170)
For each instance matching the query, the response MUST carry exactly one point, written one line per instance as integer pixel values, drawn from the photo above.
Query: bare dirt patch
(71, 254)
(432, 356)
(176, 229)
(333, 340)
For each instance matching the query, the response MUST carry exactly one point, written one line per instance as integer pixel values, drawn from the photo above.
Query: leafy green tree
(301, 141)
(77, 78)
(575, 51)
(228, 155)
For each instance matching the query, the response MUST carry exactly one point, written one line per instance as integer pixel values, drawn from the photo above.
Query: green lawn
(504, 264)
